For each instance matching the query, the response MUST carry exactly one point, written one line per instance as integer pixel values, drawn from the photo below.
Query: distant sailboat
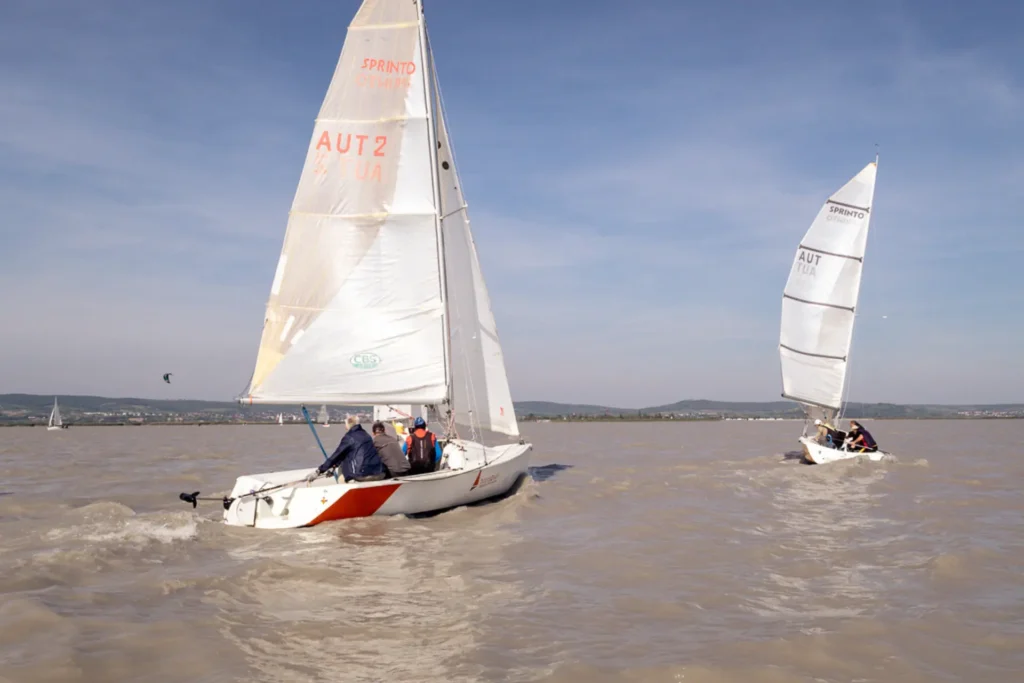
(399, 413)
(819, 311)
(55, 420)
(280, 418)
(378, 297)
(323, 418)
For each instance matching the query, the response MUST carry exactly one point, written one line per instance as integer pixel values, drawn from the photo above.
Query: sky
(638, 175)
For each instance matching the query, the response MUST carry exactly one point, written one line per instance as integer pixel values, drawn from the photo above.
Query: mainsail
(55, 419)
(323, 417)
(819, 304)
(378, 297)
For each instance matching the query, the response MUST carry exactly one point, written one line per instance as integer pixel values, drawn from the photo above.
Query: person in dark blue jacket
(356, 455)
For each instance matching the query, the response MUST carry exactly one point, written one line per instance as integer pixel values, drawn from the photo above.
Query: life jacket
(420, 451)
(869, 441)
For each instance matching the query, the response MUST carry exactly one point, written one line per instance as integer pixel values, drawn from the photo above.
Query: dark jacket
(869, 441)
(390, 453)
(356, 455)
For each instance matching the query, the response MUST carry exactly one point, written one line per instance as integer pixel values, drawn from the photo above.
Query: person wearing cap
(389, 452)
(422, 448)
(827, 434)
(860, 439)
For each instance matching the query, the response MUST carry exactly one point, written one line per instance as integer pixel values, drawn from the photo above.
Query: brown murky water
(666, 552)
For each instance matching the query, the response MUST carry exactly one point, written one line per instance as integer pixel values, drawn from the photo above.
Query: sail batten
(820, 298)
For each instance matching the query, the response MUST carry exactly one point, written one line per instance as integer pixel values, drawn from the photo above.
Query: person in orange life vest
(422, 448)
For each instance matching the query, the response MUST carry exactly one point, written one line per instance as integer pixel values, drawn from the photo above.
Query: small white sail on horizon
(55, 422)
(280, 418)
(323, 417)
(388, 413)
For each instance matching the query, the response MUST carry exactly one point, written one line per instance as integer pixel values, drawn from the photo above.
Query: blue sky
(639, 175)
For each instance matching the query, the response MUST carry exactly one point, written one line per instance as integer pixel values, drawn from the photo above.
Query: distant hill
(33, 408)
(547, 408)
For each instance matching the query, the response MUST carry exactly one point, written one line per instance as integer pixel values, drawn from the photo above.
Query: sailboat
(399, 413)
(55, 422)
(378, 297)
(323, 418)
(819, 308)
(280, 418)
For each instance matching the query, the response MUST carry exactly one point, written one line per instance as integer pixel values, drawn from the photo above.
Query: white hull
(324, 500)
(820, 455)
(53, 428)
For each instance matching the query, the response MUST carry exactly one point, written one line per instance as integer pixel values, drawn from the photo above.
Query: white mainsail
(280, 418)
(820, 300)
(378, 297)
(55, 419)
(323, 417)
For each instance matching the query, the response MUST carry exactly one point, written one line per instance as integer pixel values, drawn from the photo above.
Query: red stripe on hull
(357, 503)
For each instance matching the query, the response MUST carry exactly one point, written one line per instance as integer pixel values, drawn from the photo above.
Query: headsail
(820, 300)
(355, 314)
(480, 391)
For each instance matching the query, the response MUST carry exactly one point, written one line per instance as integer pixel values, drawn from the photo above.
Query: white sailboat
(55, 421)
(398, 413)
(323, 417)
(819, 308)
(378, 297)
(280, 418)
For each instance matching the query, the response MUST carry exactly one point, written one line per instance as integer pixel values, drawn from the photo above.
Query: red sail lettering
(381, 140)
(348, 143)
(325, 141)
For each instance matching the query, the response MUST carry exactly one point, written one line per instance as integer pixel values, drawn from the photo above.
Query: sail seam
(814, 355)
(389, 119)
(865, 209)
(859, 259)
(819, 303)
(367, 27)
(808, 402)
(377, 215)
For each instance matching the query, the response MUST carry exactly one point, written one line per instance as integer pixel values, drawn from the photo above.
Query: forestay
(820, 300)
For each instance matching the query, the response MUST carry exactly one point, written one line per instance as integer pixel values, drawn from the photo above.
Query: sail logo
(484, 481)
(389, 66)
(806, 263)
(384, 74)
(367, 360)
(840, 214)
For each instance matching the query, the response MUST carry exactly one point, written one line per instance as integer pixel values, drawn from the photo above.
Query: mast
(846, 375)
(428, 67)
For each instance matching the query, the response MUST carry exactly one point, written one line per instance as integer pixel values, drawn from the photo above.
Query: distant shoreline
(542, 420)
